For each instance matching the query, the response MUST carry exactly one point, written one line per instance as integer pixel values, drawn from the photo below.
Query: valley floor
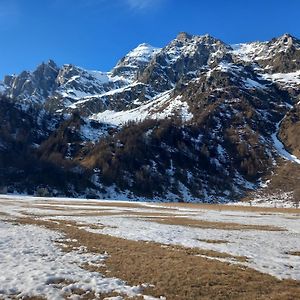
(90, 249)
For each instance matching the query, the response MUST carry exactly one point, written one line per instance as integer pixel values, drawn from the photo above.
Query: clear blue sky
(95, 33)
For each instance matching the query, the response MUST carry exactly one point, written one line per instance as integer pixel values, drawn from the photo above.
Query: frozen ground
(32, 263)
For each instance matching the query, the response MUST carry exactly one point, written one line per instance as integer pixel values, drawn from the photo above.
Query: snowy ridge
(136, 60)
(143, 53)
(151, 110)
(112, 92)
(86, 83)
(264, 50)
(191, 46)
(248, 51)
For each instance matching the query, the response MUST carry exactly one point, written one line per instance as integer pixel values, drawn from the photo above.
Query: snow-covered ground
(32, 264)
(275, 200)
(28, 267)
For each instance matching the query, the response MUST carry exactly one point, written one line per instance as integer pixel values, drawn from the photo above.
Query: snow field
(32, 263)
(268, 251)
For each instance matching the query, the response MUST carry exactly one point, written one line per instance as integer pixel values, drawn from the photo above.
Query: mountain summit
(196, 120)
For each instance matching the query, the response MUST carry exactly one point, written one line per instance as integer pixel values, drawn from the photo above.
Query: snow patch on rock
(161, 107)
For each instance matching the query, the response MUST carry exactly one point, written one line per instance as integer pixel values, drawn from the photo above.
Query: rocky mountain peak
(32, 87)
(52, 64)
(287, 40)
(48, 64)
(279, 55)
(135, 61)
(183, 36)
(66, 72)
(142, 52)
(284, 43)
(186, 54)
(45, 72)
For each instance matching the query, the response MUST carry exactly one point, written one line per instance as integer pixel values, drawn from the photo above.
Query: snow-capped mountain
(278, 55)
(195, 120)
(135, 61)
(32, 87)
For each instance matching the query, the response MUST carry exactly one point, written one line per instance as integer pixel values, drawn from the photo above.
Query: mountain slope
(196, 120)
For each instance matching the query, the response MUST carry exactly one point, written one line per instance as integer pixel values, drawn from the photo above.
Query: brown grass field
(177, 273)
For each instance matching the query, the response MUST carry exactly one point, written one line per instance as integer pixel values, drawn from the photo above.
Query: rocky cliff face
(197, 120)
(182, 57)
(290, 129)
(32, 87)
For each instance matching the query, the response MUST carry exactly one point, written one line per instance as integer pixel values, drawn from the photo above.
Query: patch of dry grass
(213, 225)
(176, 272)
(206, 253)
(213, 241)
(285, 177)
(295, 253)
